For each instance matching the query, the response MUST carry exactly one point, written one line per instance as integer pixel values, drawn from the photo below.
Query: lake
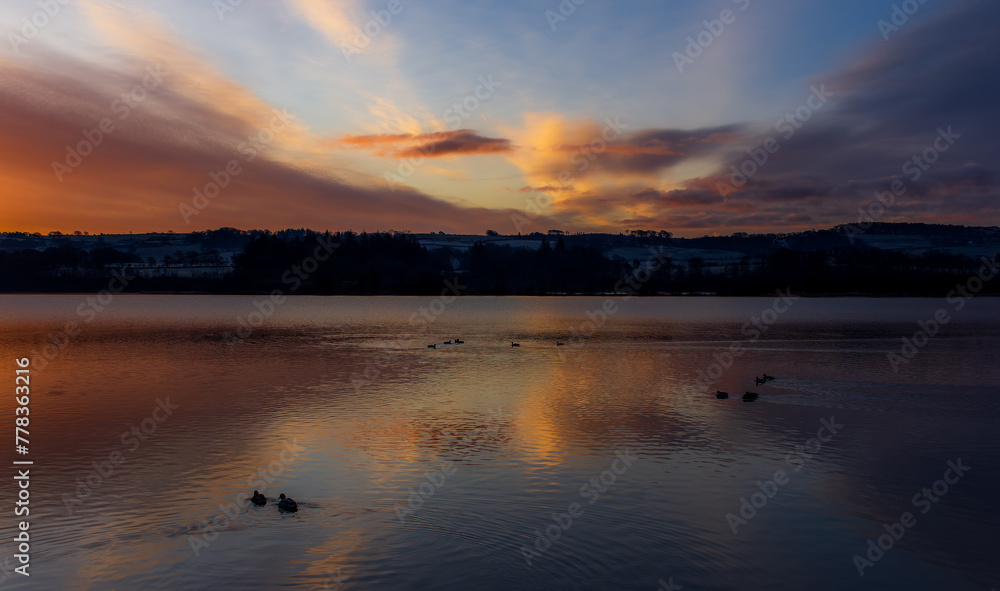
(604, 463)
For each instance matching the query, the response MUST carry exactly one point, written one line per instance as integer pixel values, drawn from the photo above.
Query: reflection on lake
(419, 468)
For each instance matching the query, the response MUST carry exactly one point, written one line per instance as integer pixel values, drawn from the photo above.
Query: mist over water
(456, 467)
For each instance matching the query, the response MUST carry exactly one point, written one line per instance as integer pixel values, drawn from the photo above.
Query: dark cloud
(651, 150)
(441, 143)
(899, 102)
(933, 79)
(458, 142)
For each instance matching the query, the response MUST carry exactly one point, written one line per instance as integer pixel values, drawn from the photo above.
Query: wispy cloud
(139, 174)
(552, 133)
(332, 18)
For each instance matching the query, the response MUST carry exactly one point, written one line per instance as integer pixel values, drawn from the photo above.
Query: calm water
(437, 470)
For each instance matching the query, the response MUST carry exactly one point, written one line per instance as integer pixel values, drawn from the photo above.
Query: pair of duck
(748, 397)
(284, 503)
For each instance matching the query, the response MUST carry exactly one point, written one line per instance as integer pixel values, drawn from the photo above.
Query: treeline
(396, 263)
(500, 269)
(838, 271)
(337, 263)
(63, 268)
(305, 262)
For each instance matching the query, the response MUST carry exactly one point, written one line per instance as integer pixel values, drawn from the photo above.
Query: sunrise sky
(454, 116)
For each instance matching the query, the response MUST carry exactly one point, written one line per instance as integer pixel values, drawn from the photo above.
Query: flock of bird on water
(748, 396)
(461, 342)
(288, 505)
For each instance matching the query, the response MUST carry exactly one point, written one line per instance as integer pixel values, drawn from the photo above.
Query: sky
(695, 117)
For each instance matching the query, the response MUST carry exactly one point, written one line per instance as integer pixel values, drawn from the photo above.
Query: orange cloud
(136, 176)
(593, 170)
(365, 141)
(432, 145)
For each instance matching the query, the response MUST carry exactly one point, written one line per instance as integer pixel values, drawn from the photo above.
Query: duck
(459, 342)
(758, 381)
(513, 344)
(750, 396)
(559, 344)
(767, 377)
(258, 499)
(287, 504)
(434, 346)
(447, 342)
(721, 395)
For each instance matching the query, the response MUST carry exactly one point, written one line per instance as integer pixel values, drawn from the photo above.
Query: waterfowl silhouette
(459, 342)
(767, 377)
(558, 344)
(721, 395)
(287, 504)
(434, 346)
(750, 396)
(513, 344)
(447, 342)
(258, 499)
(758, 381)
